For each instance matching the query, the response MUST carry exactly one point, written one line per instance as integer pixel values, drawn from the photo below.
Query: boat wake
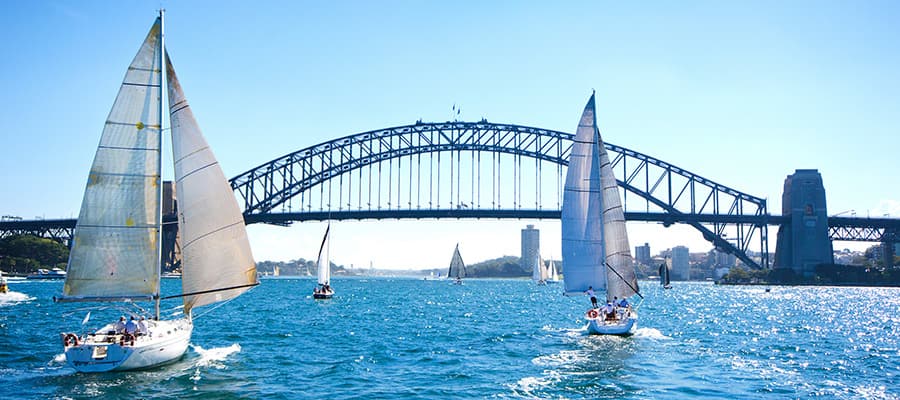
(213, 357)
(650, 333)
(13, 298)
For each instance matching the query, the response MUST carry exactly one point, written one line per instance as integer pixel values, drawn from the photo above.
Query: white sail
(115, 253)
(324, 261)
(594, 238)
(457, 264)
(536, 274)
(582, 234)
(554, 275)
(218, 263)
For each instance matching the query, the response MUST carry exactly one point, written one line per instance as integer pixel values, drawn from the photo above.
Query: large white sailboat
(595, 246)
(116, 255)
(457, 265)
(323, 289)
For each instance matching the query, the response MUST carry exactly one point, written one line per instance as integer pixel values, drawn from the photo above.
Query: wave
(13, 298)
(650, 333)
(212, 357)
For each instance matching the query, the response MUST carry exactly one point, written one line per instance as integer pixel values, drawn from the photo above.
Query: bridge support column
(803, 243)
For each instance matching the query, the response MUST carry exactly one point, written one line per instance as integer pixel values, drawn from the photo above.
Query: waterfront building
(531, 247)
(642, 254)
(681, 263)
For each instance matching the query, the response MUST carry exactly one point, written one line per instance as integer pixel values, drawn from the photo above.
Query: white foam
(13, 298)
(650, 333)
(212, 356)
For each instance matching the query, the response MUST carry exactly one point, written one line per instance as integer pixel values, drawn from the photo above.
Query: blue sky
(742, 93)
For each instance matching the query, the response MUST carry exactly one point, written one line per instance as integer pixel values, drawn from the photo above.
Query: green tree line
(24, 254)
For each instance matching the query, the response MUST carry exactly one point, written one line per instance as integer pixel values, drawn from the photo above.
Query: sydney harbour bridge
(488, 170)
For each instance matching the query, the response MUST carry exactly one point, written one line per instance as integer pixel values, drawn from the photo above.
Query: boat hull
(625, 326)
(166, 343)
(322, 296)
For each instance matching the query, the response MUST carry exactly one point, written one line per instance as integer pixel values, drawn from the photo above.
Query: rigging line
(174, 296)
(624, 280)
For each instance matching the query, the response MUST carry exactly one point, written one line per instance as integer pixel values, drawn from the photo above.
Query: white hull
(626, 325)
(102, 352)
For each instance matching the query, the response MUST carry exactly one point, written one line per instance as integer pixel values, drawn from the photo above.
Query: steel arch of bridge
(676, 195)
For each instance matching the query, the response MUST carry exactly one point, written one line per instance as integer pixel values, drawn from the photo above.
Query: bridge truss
(486, 170)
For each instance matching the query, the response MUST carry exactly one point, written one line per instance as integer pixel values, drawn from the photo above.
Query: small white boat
(116, 255)
(54, 273)
(596, 254)
(323, 289)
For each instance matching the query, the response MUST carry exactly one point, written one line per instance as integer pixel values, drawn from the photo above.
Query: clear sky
(742, 93)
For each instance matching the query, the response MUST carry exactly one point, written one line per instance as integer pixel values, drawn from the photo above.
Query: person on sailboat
(131, 326)
(142, 326)
(120, 325)
(590, 292)
(609, 311)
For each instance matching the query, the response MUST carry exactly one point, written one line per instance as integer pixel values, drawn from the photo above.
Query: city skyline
(743, 94)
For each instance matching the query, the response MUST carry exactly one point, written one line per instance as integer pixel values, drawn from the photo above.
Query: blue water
(407, 338)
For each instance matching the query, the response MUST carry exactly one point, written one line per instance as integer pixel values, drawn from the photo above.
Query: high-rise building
(531, 247)
(642, 254)
(681, 263)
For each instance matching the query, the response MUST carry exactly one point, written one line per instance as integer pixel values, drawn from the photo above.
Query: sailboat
(116, 254)
(3, 286)
(664, 269)
(323, 288)
(540, 274)
(457, 264)
(553, 274)
(594, 239)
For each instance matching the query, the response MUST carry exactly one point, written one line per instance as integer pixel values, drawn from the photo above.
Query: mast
(159, 187)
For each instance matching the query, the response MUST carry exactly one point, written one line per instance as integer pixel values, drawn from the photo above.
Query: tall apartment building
(681, 263)
(642, 254)
(531, 247)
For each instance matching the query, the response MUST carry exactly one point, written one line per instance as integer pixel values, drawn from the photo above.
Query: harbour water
(392, 338)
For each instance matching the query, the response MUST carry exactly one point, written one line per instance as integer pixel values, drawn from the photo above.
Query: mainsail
(664, 272)
(218, 264)
(594, 239)
(324, 261)
(115, 253)
(457, 264)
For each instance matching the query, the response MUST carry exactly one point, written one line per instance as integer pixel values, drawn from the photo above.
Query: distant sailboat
(540, 273)
(116, 255)
(553, 274)
(594, 238)
(664, 269)
(323, 288)
(457, 264)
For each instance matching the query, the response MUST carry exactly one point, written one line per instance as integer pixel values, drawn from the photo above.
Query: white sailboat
(4, 288)
(116, 255)
(540, 274)
(323, 289)
(553, 274)
(457, 264)
(594, 239)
